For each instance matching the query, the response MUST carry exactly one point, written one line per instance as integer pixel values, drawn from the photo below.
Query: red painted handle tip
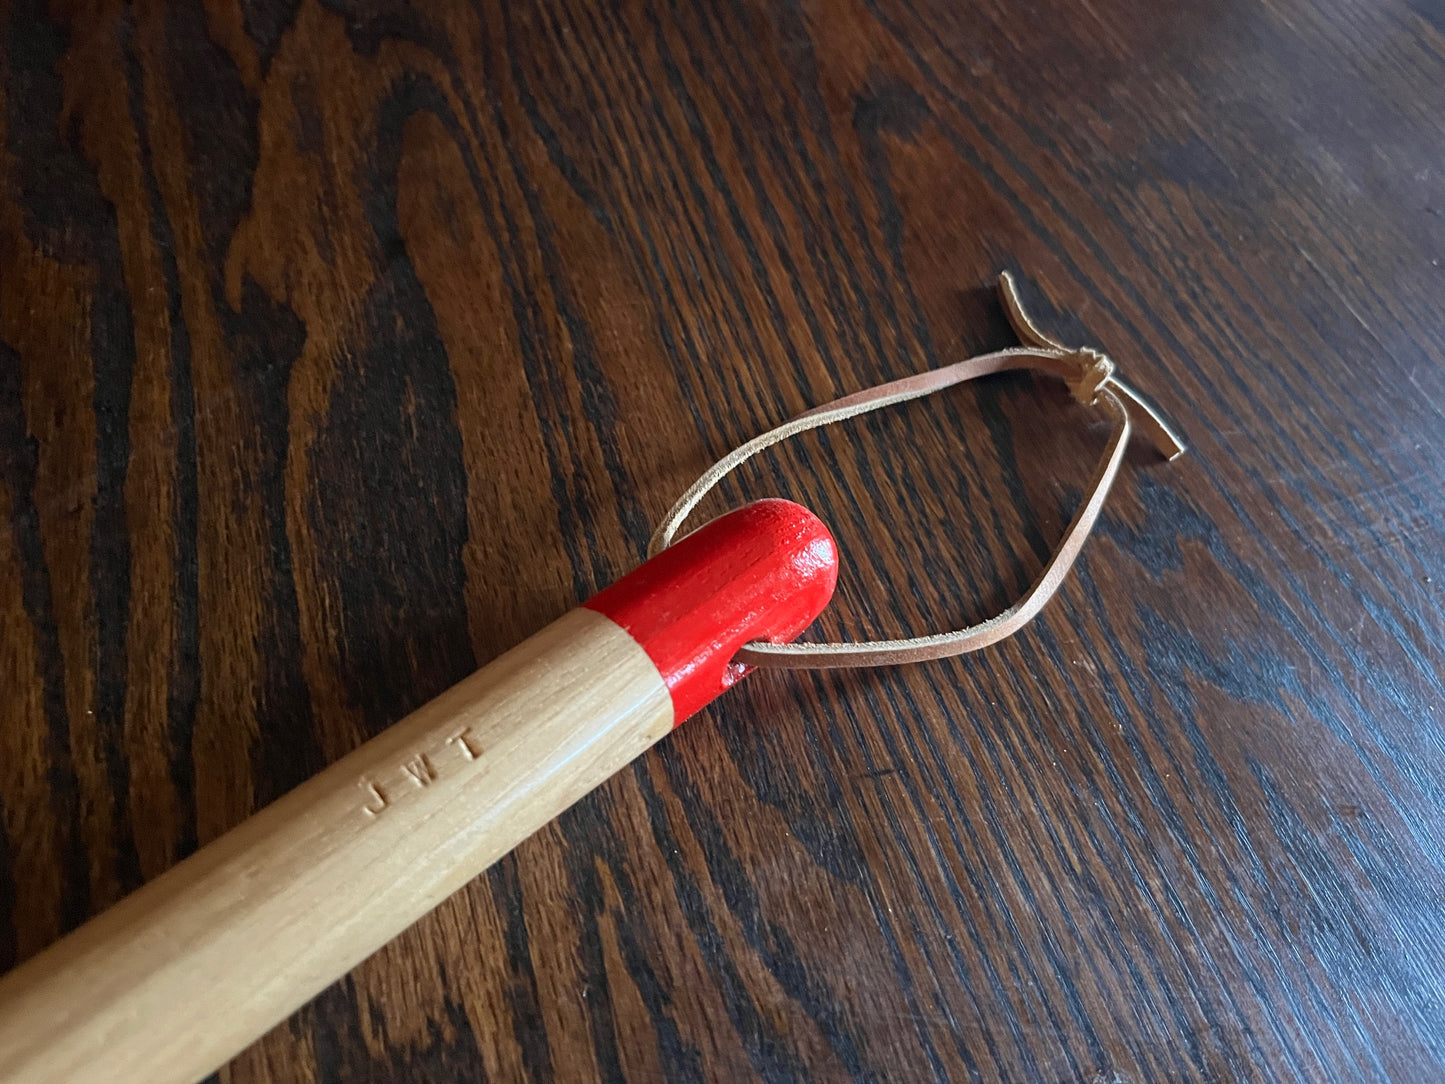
(761, 572)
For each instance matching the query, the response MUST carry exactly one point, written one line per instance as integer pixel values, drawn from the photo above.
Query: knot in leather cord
(1092, 378)
(1095, 370)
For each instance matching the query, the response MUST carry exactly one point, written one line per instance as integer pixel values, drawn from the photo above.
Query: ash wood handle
(189, 969)
(195, 965)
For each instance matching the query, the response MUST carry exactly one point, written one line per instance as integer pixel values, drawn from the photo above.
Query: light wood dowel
(185, 972)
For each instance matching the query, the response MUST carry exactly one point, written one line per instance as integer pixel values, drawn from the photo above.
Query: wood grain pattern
(345, 344)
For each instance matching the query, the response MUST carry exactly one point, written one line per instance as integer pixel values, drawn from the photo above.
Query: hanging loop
(1093, 380)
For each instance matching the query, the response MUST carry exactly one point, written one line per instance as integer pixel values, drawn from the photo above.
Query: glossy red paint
(762, 572)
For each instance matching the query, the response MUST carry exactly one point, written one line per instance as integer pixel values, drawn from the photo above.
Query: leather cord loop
(1093, 380)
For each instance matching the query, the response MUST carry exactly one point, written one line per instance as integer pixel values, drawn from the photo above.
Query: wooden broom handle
(184, 973)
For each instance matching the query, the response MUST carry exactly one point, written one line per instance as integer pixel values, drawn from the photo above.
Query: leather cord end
(1094, 370)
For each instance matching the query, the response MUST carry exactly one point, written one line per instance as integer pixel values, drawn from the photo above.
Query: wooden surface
(343, 346)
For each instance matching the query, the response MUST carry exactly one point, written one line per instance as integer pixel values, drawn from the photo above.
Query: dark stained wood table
(344, 345)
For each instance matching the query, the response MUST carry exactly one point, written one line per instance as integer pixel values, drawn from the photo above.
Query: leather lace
(1092, 378)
